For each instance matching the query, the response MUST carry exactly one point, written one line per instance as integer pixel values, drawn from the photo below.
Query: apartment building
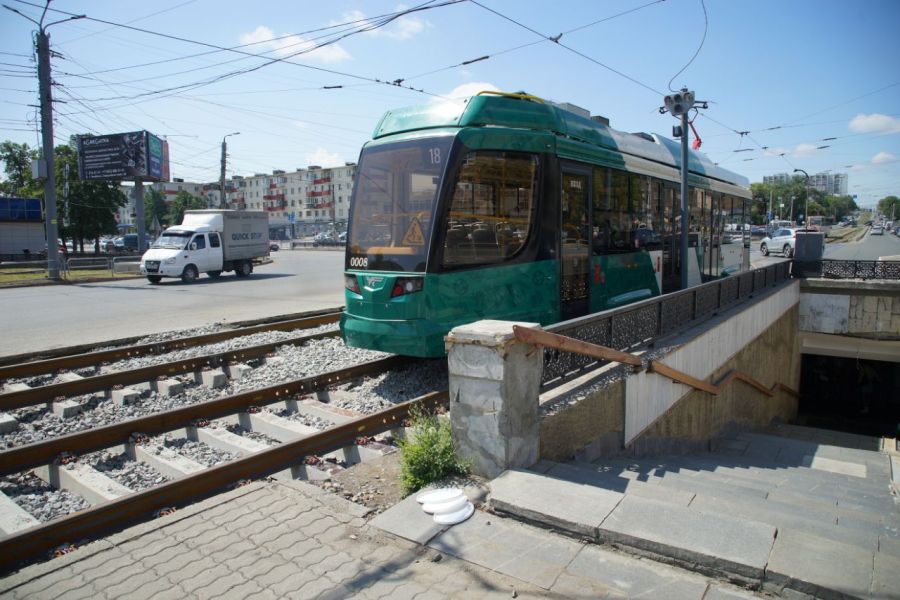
(299, 203)
(831, 184)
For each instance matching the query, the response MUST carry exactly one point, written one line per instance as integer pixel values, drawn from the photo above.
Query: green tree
(889, 206)
(184, 201)
(91, 206)
(156, 211)
(17, 166)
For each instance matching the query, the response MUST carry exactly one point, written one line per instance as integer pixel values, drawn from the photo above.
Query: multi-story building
(299, 203)
(830, 184)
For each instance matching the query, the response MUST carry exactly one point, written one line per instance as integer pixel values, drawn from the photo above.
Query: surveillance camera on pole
(678, 105)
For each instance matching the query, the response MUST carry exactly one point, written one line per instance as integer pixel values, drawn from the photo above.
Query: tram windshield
(394, 203)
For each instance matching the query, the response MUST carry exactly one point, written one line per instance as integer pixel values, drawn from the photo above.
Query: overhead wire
(570, 49)
(268, 60)
(700, 47)
(534, 43)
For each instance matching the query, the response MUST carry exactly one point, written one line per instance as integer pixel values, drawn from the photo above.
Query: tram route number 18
(434, 154)
(359, 262)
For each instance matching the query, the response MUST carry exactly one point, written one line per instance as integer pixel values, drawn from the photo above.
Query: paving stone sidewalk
(293, 540)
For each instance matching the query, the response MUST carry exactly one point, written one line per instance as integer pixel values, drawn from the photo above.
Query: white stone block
(125, 396)
(8, 423)
(168, 387)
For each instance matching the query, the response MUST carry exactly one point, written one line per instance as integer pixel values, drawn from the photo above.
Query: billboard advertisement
(137, 155)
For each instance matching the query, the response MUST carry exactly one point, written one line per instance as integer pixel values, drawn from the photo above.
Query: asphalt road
(53, 316)
(44, 317)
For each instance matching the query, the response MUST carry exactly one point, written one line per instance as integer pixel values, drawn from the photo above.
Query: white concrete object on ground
(168, 387)
(125, 396)
(13, 517)
(84, 480)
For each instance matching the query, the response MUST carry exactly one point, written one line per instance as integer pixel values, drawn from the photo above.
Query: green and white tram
(509, 207)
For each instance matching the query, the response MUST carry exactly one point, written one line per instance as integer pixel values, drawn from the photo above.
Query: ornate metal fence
(640, 323)
(848, 269)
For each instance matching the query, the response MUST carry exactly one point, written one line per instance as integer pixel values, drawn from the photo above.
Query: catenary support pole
(43, 48)
(685, 217)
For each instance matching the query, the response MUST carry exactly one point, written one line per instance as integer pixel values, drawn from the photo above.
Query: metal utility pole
(679, 104)
(46, 166)
(44, 89)
(222, 203)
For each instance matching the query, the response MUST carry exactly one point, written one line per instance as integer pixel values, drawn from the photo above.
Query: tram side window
(623, 219)
(492, 208)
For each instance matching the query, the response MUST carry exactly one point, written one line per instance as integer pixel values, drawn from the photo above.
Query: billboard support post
(139, 213)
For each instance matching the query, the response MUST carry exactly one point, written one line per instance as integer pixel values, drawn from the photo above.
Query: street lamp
(806, 210)
(222, 203)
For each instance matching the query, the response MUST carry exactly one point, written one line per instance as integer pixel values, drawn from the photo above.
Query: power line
(570, 49)
(269, 60)
(700, 47)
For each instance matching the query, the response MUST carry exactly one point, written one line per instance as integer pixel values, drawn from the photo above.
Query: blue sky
(813, 69)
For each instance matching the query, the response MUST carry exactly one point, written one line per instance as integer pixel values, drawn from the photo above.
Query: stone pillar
(494, 389)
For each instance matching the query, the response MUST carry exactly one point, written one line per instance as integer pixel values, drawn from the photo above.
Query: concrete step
(716, 544)
(724, 497)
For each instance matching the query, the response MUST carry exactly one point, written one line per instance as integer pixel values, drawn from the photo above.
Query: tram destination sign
(137, 155)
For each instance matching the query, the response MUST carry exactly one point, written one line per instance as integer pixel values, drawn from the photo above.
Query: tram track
(52, 458)
(306, 392)
(74, 358)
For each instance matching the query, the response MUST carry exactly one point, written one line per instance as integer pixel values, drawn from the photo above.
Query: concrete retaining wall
(759, 339)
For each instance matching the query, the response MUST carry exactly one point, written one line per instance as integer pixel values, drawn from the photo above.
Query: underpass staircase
(789, 510)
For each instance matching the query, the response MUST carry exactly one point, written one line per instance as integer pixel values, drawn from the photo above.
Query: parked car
(274, 246)
(325, 239)
(758, 230)
(781, 240)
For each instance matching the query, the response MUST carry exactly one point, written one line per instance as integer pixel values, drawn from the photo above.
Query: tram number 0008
(359, 262)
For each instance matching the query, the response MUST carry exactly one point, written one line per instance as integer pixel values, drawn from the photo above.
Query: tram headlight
(351, 283)
(406, 285)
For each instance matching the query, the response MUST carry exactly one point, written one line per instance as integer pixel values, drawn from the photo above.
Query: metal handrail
(827, 268)
(643, 322)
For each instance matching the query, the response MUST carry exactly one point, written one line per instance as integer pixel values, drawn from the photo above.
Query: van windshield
(173, 239)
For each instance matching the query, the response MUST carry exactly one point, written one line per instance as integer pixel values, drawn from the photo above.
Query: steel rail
(115, 514)
(87, 359)
(45, 393)
(44, 452)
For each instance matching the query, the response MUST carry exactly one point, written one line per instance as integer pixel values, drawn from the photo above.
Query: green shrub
(428, 455)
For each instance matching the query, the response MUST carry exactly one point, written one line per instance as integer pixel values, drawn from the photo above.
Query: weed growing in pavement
(428, 455)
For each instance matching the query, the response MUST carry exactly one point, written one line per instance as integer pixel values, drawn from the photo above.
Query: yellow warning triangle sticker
(414, 235)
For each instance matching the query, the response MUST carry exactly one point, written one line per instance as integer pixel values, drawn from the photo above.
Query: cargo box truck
(208, 241)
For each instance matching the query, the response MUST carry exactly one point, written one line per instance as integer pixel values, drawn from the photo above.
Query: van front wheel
(190, 274)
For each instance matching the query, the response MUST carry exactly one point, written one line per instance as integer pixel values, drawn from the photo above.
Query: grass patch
(428, 455)
(23, 276)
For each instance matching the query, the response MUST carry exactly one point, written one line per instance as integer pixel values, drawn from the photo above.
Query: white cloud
(874, 123)
(324, 158)
(883, 158)
(803, 150)
(301, 124)
(263, 38)
(399, 29)
(470, 89)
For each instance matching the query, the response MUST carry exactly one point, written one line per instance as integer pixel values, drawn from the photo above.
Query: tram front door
(574, 251)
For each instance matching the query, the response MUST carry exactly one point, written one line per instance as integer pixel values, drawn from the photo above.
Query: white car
(781, 240)
(877, 230)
